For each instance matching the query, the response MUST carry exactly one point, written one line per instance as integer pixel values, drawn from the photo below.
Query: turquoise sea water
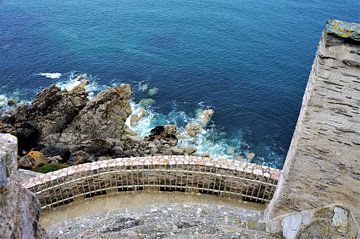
(248, 60)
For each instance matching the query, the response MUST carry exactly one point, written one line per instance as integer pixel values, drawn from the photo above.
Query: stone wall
(167, 173)
(322, 164)
(19, 208)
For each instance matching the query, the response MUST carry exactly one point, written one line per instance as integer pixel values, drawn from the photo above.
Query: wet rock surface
(177, 220)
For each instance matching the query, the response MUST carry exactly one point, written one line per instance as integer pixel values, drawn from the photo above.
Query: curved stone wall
(165, 173)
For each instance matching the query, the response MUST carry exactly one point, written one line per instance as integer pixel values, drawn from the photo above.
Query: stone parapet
(166, 173)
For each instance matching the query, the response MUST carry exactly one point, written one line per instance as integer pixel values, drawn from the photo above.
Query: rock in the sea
(192, 129)
(205, 117)
(153, 91)
(250, 156)
(53, 110)
(135, 118)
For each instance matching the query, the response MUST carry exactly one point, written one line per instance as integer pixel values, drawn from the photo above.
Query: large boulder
(51, 111)
(103, 117)
(166, 134)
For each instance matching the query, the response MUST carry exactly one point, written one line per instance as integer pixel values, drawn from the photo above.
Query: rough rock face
(333, 221)
(19, 208)
(103, 117)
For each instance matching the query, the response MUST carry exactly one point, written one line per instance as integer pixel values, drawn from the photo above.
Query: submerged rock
(146, 102)
(153, 91)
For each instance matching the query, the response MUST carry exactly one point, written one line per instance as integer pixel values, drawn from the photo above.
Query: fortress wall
(323, 162)
(166, 173)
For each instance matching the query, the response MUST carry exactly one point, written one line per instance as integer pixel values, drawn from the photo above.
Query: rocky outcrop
(65, 127)
(19, 208)
(103, 117)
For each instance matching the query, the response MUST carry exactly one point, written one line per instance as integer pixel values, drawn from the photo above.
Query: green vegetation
(50, 167)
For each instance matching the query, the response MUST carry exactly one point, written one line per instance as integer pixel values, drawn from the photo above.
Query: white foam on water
(208, 141)
(75, 79)
(50, 75)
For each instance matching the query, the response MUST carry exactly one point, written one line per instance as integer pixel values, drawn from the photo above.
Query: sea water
(247, 60)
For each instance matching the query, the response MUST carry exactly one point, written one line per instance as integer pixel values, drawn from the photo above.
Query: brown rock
(32, 160)
(103, 117)
(11, 102)
(192, 129)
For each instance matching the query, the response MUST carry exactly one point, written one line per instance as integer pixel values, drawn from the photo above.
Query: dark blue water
(248, 60)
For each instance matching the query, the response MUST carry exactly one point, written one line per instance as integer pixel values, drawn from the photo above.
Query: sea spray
(50, 75)
(209, 140)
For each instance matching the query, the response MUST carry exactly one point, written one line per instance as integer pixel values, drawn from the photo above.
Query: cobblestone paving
(179, 220)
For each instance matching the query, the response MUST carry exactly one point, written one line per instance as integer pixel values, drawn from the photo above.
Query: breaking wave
(50, 75)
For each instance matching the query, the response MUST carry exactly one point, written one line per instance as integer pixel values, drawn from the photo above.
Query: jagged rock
(53, 110)
(28, 136)
(192, 129)
(32, 160)
(11, 102)
(96, 147)
(57, 150)
(103, 116)
(165, 134)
